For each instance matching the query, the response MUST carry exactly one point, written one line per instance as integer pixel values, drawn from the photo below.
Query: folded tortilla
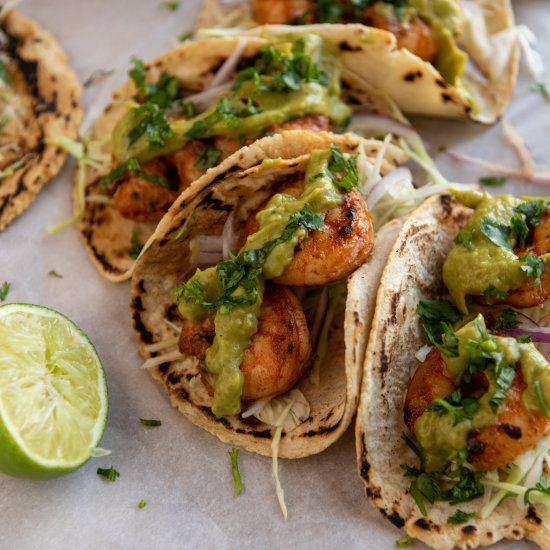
(488, 37)
(107, 234)
(43, 101)
(413, 273)
(243, 182)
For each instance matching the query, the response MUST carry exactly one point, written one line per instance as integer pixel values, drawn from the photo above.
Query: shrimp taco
(441, 58)
(39, 100)
(453, 427)
(249, 301)
(184, 113)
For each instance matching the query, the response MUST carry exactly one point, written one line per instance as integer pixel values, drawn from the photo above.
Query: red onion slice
(203, 100)
(229, 238)
(383, 124)
(229, 64)
(399, 176)
(538, 334)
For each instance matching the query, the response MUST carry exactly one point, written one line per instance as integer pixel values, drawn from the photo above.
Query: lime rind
(53, 393)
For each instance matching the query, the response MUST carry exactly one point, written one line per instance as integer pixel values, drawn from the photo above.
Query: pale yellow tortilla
(45, 104)
(241, 186)
(413, 273)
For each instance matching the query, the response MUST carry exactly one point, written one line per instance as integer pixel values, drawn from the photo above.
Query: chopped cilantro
(342, 171)
(468, 487)
(403, 542)
(146, 422)
(135, 246)
(131, 165)
(4, 289)
(534, 267)
(207, 158)
(497, 233)
(137, 74)
(436, 316)
(494, 180)
(414, 448)
(461, 409)
(519, 227)
(241, 272)
(53, 273)
(425, 486)
(188, 108)
(492, 292)
(507, 319)
(540, 487)
(170, 6)
(524, 339)
(542, 88)
(460, 517)
(533, 210)
(504, 377)
(161, 93)
(109, 473)
(142, 504)
(152, 121)
(185, 36)
(234, 456)
(465, 238)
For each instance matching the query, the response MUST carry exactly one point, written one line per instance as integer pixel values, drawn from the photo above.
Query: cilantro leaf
(468, 487)
(492, 292)
(207, 158)
(434, 315)
(131, 165)
(495, 180)
(519, 227)
(465, 238)
(152, 121)
(542, 88)
(534, 267)
(533, 210)
(414, 448)
(4, 76)
(152, 423)
(137, 74)
(460, 517)
(497, 233)
(170, 6)
(53, 273)
(524, 339)
(342, 171)
(4, 290)
(540, 487)
(507, 319)
(109, 473)
(504, 377)
(461, 409)
(425, 486)
(403, 542)
(234, 456)
(161, 93)
(142, 504)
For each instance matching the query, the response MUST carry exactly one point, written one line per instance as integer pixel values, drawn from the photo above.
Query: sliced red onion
(209, 243)
(203, 100)
(398, 176)
(320, 314)
(229, 65)
(229, 238)
(375, 122)
(422, 353)
(538, 334)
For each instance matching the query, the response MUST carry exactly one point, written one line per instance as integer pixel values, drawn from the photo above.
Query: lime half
(53, 393)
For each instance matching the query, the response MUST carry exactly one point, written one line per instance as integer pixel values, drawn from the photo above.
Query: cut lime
(53, 393)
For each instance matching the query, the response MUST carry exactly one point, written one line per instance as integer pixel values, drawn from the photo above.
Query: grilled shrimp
(413, 34)
(277, 355)
(141, 200)
(330, 254)
(272, 12)
(515, 431)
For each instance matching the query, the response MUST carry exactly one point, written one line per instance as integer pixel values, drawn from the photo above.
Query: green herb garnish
(533, 210)
(436, 317)
(109, 473)
(131, 165)
(170, 6)
(507, 319)
(465, 238)
(403, 542)
(142, 504)
(519, 227)
(234, 456)
(342, 171)
(541, 88)
(152, 122)
(492, 292)
(207, 158)
(4, 76)
(534, 267)
(135, 246)
(146, 422)
(53, 273)
(497, 233)
(460, 517)
(540, 487)
(4, 289)
(494, 180)
(461, 409)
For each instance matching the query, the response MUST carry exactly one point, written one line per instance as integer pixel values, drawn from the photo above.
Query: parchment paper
(181, 471)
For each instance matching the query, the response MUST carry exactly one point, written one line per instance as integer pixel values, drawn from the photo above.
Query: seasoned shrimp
(272, 12)
(141, 200)
(413, 34)
(515, 431)
(277, 355)
(184, 161)
(333, 252)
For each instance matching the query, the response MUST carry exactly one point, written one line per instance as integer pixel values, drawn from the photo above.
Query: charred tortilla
(40, 100)
(415, 85)
(413, 273)
(241, 185)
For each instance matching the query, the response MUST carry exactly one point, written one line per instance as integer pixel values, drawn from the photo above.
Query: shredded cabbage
(271, 412)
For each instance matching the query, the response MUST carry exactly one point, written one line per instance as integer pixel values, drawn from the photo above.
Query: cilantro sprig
(459, 408)
(237, 481)
(460, 517)
(131, 165)
(540, 487)
(108, 473)
(436, 317)
(4, 290)
(207, 158)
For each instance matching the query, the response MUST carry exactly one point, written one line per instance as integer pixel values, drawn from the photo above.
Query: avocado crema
(442, 436)
(267, 97)
(477, 263)
(236, 319)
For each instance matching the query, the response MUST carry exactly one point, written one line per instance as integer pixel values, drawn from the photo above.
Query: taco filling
(427, 29)
(168, 139)
(241, 320)
(478, 406)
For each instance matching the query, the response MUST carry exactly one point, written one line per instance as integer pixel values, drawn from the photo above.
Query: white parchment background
(181, 471)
